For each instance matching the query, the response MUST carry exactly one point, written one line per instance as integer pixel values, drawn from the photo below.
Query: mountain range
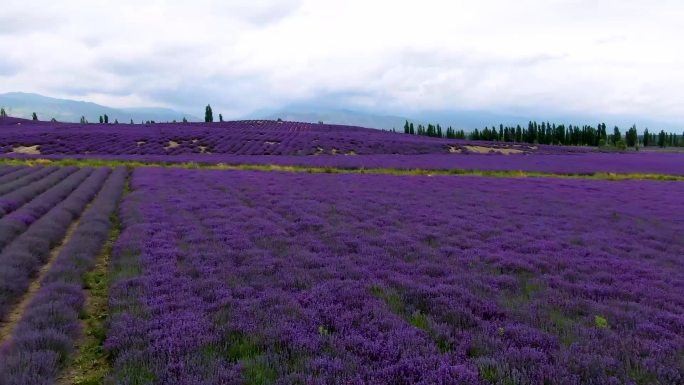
(22, 105)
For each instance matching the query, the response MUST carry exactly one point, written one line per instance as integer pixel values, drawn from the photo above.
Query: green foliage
(600, 322)
(662, 137)
(34, 116)
(489, 373)
(617, 136)
(242, 347)
(259, 372)
(3, 114)
(631, 137)
(208, 114)
(420, 321)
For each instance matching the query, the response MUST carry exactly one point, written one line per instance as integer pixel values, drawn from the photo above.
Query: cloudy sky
(392, 56)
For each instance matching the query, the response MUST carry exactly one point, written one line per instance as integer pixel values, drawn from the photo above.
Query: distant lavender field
(241, 277)
(260, 137)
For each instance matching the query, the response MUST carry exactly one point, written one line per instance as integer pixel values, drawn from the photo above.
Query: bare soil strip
(7, 327)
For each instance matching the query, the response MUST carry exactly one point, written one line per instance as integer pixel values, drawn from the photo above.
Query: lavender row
(37, 174)
(17, 173)
(47, 332)
(22, 258)
(245, 277)
(18, 221)
(5, 170)
(13, 200)
(586, 163)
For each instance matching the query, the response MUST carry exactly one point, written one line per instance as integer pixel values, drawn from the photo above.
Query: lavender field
(164, 272)
(258, 137)
(253, 278)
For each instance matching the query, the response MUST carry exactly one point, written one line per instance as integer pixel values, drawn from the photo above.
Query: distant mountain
(334, 116)
(468, 120)
(22, 105)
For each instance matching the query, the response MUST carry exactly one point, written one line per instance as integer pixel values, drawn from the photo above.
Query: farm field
(259, 137)
(393, 280)
(124, 265)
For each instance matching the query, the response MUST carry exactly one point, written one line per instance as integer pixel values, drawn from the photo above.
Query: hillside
(22, 105)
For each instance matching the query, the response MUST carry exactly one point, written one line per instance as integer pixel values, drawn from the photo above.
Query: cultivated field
(183, 267)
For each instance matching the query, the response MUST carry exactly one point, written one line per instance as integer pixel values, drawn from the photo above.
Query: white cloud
(575, 56)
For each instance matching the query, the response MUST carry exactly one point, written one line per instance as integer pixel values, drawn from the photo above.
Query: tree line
(555, 134)
(433, 131)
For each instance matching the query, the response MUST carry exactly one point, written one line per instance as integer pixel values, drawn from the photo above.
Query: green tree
(83, 119)
(3, 114)
(647, 138)
(631, 136)
(221, 118)
(34, 116)
(101, 119)
(617, 136)
(185, 120)
(661, 139)
(208, 114)
(406, 127)
(106, 119)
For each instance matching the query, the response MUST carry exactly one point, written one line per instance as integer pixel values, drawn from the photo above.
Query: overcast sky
(569, 56)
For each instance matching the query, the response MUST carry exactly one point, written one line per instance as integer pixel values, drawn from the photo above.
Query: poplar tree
(3, 114)
(208, 114)
(34, 116)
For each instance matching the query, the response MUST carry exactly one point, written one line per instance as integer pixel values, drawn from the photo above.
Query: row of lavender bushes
(21, 259)
(586, 163)
(19, 197)
(16, 222)
(50, 326)
(17, 173)
(6, 170)
(35, 175)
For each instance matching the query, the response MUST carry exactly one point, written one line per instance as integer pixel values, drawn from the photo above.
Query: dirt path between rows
(7, 327)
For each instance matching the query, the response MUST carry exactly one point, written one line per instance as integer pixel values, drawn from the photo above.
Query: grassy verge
(90, 364)
(340, 170)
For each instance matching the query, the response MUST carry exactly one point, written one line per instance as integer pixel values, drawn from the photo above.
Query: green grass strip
(339, 170)
(90, 365)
